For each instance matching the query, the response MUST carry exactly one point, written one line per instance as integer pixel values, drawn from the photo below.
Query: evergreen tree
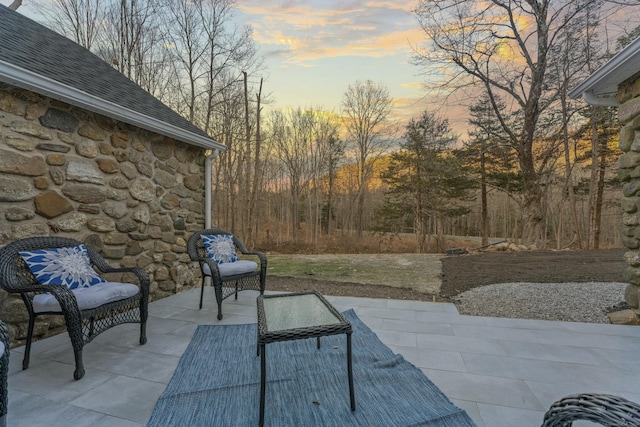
(425, 181)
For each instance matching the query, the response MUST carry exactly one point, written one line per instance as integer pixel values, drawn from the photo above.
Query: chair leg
(236, 290)
(143, 332)
(79, 372)
(27, 347)
(202, 291)
(218, 289)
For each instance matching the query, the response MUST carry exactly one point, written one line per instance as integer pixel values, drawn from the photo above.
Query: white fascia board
(26, 79)
(619, 68)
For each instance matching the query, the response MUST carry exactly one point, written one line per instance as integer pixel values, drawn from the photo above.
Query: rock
(126, 226)
(162, 148)
(58, 148)
(22, 165)
(21, 144)
(105, 123)
(18, 214)
(165, 179)
(113, 194)
(113, 252)
(115, 238)
(31, 129)
(142, 189)
(91, 209)
(84, 171)
(57, 175)
(56, 159)
(115, 209)
(87, 149)
(20, 231)
(73, 222)
(118, 182)
(11, 105)
(58, 119)
(193, 182)
(138, 145)
(94, 241)
(624, 317)
(128, 170)
(108, 165)
(119, 139)
(142, 214)
(632, 295)
(133, 248)
(92, 132)
(101, 225)
(161, 273)
(160, 247)
(170, 201)
(84, 193)
(50, 204)
(15, 189)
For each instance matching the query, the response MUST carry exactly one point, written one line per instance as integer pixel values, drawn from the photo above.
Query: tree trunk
(483, 190)
(602, 167)
(257, 174)
(532, 215)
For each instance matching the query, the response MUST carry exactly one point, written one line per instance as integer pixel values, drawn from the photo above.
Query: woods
(532, 166)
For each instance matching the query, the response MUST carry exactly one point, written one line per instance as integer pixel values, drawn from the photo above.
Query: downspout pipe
(210, 155)
(598, 101)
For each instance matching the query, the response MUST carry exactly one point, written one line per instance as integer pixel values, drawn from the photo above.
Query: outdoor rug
(217, 383)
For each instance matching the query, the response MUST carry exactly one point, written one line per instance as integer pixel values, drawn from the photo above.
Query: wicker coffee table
(298, 316)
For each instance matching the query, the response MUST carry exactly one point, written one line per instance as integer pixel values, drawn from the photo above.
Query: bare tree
(366, 107)
(78, 20)
(505, 46)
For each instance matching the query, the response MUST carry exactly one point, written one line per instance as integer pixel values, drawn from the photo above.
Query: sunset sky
(315, 49)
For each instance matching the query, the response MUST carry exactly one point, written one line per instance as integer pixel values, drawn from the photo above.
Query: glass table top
(297, 311)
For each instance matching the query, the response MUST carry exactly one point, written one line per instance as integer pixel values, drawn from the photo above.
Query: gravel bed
(573, 302)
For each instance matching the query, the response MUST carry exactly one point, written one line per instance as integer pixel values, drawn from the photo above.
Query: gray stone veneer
(134, 195)
(629, 162)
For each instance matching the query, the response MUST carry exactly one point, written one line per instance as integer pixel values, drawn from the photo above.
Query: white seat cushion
(232, 268)
(91, 297)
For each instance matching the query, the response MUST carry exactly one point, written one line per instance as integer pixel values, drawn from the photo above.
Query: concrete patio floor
(503, 372)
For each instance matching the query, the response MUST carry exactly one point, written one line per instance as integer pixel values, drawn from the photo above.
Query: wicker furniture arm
(82, 325)
(604, 409)
(225, 285)
(4, 373)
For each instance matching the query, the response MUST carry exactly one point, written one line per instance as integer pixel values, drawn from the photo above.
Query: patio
(503, 372)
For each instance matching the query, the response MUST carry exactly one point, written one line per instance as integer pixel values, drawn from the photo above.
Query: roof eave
(608, 71)
(26, 79)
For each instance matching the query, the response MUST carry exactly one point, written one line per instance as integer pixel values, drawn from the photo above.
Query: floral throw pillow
(68, 266)
(220, 247)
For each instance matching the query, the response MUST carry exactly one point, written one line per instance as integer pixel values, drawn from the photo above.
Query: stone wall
(133, 195)
(629, 162)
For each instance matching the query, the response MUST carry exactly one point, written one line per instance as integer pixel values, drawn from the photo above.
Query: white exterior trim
(606, 79)
(29, 80)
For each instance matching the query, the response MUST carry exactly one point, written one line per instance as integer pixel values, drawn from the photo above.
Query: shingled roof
(36, 58)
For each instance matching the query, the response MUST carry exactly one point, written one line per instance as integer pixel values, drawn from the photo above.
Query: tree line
(533, 166)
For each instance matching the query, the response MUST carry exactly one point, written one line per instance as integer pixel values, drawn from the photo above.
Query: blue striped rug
(217, 384)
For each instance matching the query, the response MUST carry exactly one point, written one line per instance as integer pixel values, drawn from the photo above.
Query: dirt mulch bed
(464, 272)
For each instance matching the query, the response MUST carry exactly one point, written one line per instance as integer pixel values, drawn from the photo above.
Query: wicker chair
(83, 324)
(604, 409)
(226, 279)
(4, 371)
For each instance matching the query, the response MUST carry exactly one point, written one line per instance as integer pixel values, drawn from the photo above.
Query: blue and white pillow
(68, 266)
(220, 248)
